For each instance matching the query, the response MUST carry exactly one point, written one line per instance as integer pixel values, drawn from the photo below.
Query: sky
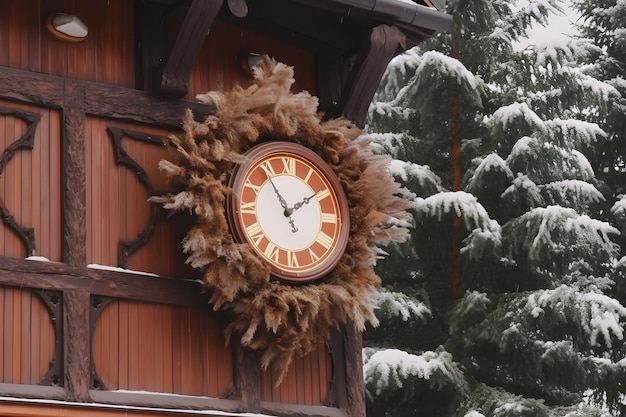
(558, 30)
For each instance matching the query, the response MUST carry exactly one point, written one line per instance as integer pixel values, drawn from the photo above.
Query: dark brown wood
(99, 99)
(248, 378)
(128, 247)
(371, 61)
(338, 393)
(353, 343)
(53, 300)
(76, 344)
(26, 141)
(74, 174)
(32, 87)
(58, 276)
(177, 65)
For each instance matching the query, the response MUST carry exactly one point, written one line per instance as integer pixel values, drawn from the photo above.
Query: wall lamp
(248, 60)
(67, 27)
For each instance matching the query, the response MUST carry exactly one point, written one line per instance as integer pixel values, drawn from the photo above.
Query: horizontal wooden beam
(100, 99)
(132, 286)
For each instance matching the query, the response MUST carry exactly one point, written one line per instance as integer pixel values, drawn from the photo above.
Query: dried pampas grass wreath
(278, 319)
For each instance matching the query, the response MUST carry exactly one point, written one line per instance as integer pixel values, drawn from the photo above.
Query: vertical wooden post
(76, 325)
(354, 370)
(248, 377)
(76, 344)
(74, 175)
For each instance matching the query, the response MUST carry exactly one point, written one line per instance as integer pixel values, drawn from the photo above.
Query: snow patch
(118, 269)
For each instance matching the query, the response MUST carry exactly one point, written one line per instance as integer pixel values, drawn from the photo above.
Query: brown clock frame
(236, 184)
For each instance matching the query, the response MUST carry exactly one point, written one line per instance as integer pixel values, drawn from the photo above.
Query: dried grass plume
(280, 320)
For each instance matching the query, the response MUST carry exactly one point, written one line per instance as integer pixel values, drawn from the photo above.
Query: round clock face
(288, 205)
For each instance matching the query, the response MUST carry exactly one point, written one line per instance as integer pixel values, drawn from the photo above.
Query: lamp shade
(67, 27)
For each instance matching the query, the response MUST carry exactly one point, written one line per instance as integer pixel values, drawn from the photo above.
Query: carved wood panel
(30, 181)
(123, 228)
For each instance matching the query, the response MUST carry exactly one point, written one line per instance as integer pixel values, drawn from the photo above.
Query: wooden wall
(107, 55)
(144, 341)
(27, 337)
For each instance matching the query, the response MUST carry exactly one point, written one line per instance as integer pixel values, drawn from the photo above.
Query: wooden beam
(99, 99)
(176, 66)
(74, 189)
(132, 286)
(377, 50)
(353, 343)
(248, 378)
(76, 344)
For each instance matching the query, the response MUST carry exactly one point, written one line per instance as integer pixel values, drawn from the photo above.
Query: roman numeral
(292, 259)
(254, 187)
(268, 168)
(272, 252)
(250, 208)
(255, 233)
(289, 166)
(329, 218)
(324, 240)
(313, 255)
(323, 194)
(307, 177)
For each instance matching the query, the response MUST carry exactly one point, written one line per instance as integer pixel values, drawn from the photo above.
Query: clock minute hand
(283, 203)
(304, 201)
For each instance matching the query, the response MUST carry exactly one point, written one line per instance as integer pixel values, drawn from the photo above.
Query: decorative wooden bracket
(53, 300)
(98, 304)
(371, 61)
(168, 61)
(126, 248)
(27, 141)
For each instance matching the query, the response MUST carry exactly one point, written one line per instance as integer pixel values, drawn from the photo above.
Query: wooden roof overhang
(353, 40)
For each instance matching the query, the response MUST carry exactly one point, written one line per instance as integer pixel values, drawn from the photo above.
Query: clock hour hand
(304, 201)
(283, 203)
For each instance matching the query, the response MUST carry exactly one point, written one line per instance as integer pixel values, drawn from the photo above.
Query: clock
(289, 206)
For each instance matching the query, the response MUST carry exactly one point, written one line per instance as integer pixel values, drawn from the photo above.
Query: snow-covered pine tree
(537, 331)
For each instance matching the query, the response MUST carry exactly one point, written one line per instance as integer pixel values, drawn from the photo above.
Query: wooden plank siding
(159, 348)
(106, 56)
(27, 337)
(218, 68)
(30, 184)
(117, 202)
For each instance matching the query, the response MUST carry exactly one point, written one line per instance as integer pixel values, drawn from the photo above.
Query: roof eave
(415, 16)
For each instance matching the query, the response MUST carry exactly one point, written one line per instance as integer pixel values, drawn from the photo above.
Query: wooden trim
(292, 410)
(99, 99)
(25, 142)
(15, 407)
(338, 394)
(368, 69)
(31, 391)
(248, 377)
(76, 346)
(174, 77)
(189, 402)
(353, 343)
(58, 276)
(74, 189)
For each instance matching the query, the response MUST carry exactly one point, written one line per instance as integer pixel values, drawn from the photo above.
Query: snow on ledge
(38, 259)
(131, 407)
(118, 269)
